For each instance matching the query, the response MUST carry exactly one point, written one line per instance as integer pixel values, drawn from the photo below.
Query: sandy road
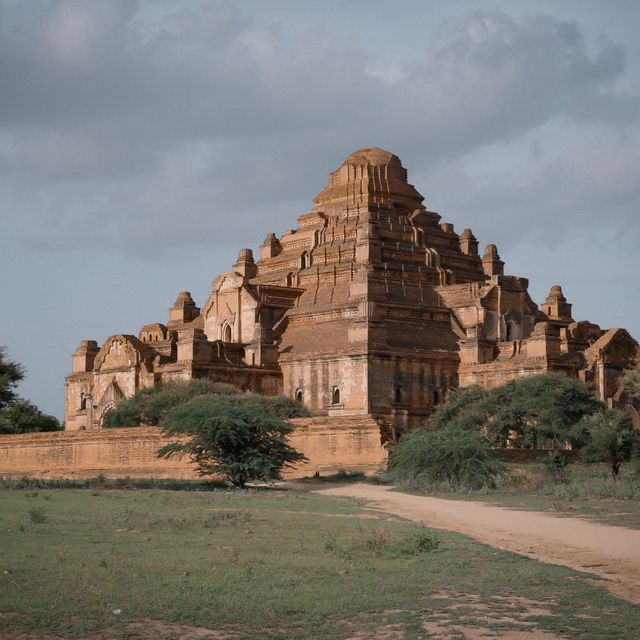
(612, 553)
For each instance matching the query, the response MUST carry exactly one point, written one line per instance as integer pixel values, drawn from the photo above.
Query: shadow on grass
(102, 482)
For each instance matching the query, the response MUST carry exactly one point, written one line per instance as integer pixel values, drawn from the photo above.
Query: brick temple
(370, 307)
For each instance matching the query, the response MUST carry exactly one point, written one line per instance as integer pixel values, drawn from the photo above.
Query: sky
(142, 144)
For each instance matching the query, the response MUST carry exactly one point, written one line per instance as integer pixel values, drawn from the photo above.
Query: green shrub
(607, 436)
(11, 373)
(555, 465)
(241, 441)
(282, 406)
(459, 457)
(528, 412)
(149, 406)
(127, 413)
(22, 416)
(381, 541)
(18, 415)
(631, 381)
(463, 408)
(37, 515)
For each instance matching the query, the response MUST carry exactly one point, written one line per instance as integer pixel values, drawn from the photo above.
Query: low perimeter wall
(330, 444)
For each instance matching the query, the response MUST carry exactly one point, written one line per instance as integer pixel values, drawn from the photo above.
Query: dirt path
(612, 553)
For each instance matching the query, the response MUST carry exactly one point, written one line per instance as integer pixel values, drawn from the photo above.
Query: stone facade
(370, 307)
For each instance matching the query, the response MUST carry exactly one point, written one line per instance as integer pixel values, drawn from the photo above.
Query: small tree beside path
(239, 438)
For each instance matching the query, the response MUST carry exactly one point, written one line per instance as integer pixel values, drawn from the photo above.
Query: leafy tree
(282, 406)
(524, 412)
(149, 406)
(23, 417)
(239, 440)
(127, 413)
(527, 411)
(464, 408)
(456, 455)
(607, 436)
(631, 381)
(17, 415)
(10, 374)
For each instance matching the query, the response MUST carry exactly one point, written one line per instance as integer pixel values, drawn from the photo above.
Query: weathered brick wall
(330, 444)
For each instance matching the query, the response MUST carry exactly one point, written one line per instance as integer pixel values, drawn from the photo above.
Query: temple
(370, 307)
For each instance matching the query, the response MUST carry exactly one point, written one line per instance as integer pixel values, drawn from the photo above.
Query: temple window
(335, 396)
(226, 333)
(298, 396)
(398, 394)
(83, 402)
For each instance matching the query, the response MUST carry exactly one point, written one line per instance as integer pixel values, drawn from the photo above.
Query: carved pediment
(222, 284)
(615, 347)
(120, 352)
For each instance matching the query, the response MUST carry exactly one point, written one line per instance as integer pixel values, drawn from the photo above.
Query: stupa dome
(373, 156)
(556, 294)
(371, 175)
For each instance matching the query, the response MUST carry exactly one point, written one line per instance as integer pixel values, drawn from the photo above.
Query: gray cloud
(137, 134)
(182, 130)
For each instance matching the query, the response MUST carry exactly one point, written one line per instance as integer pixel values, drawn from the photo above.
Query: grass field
(272, 564)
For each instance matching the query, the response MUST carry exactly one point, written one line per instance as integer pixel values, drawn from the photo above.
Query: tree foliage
(631, 381)
(18, 415)
(526, 412)
(464, 408)
(241, 439)
(461, 457)
(282, 406)
(150, 406)
(11, 373)
(227, 432)
(607, 436)
(23, 417)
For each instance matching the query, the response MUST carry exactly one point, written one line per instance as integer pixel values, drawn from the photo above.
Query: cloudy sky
(143, 143)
